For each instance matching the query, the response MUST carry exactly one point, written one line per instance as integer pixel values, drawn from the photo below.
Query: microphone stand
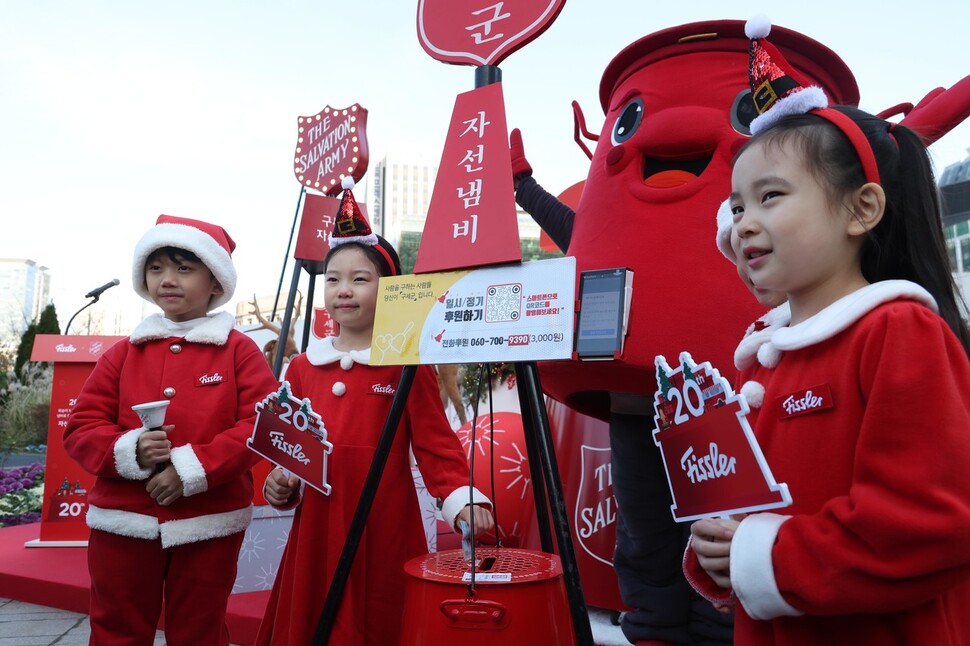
(94, 299)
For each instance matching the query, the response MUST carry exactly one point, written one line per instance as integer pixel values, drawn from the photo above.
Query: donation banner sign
(521, 312)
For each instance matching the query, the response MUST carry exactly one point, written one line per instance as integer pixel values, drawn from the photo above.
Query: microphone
(94, 293)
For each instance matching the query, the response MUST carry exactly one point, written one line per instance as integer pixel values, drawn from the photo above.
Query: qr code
(503, 302)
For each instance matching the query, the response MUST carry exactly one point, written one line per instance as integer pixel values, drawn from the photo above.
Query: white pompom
(754, 393)
(769, 355)
(346, 362)
(339, 388)
(757, 27)
(347, 183)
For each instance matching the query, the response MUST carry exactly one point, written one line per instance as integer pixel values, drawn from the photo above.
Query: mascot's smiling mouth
(669, 174)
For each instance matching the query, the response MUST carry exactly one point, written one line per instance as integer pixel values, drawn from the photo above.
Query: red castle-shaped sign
(331, 145)
(460, 33)
(714, 464)
(289, 434)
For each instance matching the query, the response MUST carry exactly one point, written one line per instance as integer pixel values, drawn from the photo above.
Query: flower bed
(21, 494)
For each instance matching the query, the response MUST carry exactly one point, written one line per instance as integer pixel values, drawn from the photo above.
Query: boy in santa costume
(170, 505)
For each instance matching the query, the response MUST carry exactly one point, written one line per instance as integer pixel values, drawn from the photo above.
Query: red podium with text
(65, 483)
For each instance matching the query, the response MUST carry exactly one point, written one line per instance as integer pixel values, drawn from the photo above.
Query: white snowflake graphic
(485, 435)
(252, 546)
(519, 474)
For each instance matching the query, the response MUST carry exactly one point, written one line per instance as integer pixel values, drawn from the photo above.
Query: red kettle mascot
(677, 106)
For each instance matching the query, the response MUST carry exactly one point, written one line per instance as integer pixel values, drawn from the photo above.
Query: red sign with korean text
(482, 33)
(471, 219)
(66, 484)
(316, 225)
(331, 145)
(289, 434)
(714, 464)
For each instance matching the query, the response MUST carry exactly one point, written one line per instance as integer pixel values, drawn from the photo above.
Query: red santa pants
(130, 577)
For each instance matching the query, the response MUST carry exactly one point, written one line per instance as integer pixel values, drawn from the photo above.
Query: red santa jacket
(864, 413)
(213, 375)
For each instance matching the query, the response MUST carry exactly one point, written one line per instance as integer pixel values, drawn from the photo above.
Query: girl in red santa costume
(860, 402)
(353, 399)
(169, 507)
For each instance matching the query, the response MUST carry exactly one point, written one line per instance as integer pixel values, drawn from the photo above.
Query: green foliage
(21, 494)
(407, 250)
(24, 349)
(470, 376)
(46, 325)
(48, 321)
(26, 409)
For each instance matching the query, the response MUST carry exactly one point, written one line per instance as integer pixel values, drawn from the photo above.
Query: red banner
(460, 33)
(331, 145)
(65, 483)
(471, 219)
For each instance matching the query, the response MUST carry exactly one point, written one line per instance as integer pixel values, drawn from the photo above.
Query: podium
(65, 483)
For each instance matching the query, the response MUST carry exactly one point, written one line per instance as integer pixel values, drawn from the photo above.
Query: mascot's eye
(743, 112)
(628, 121)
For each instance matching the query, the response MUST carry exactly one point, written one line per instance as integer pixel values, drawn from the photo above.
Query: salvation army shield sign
(331, 145)
(461, 33)
(595, 514)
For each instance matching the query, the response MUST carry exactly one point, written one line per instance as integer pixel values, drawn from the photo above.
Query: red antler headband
(778, 91)
(352, 226)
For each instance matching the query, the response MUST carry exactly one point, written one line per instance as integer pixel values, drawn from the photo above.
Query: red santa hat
(209, 242)
(779, 91)
(351, 225)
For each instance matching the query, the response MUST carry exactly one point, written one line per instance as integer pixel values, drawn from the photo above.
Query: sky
(113, 112)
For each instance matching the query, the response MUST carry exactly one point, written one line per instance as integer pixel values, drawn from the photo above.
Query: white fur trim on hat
(211, 253)
(757, 27)
(800, 102)
(725, 220)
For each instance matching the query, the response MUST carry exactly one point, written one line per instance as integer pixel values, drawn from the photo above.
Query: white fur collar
(321, 352)
(213, 329)
(830, 321)
(758, 336)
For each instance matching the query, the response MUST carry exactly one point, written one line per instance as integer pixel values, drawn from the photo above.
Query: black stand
(94, 299)
(539, 446)
(313, 268)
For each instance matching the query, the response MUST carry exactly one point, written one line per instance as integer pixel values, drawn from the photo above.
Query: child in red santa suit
(353, 399)
(170, 506)
(859, 401)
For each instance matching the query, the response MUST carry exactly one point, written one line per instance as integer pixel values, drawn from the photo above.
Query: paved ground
(25, 624)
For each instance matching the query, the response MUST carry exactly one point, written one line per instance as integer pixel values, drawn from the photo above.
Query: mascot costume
(677, 105)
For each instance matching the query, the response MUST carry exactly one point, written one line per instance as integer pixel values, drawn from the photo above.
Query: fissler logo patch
(804, 402)
(382, 389)
(210, 379)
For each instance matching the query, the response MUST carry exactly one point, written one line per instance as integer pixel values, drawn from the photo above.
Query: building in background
(24, 293)
(399, 195)
(398, 201)
(955, 191)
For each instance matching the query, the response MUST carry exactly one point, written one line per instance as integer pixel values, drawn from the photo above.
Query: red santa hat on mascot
(209, 242)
